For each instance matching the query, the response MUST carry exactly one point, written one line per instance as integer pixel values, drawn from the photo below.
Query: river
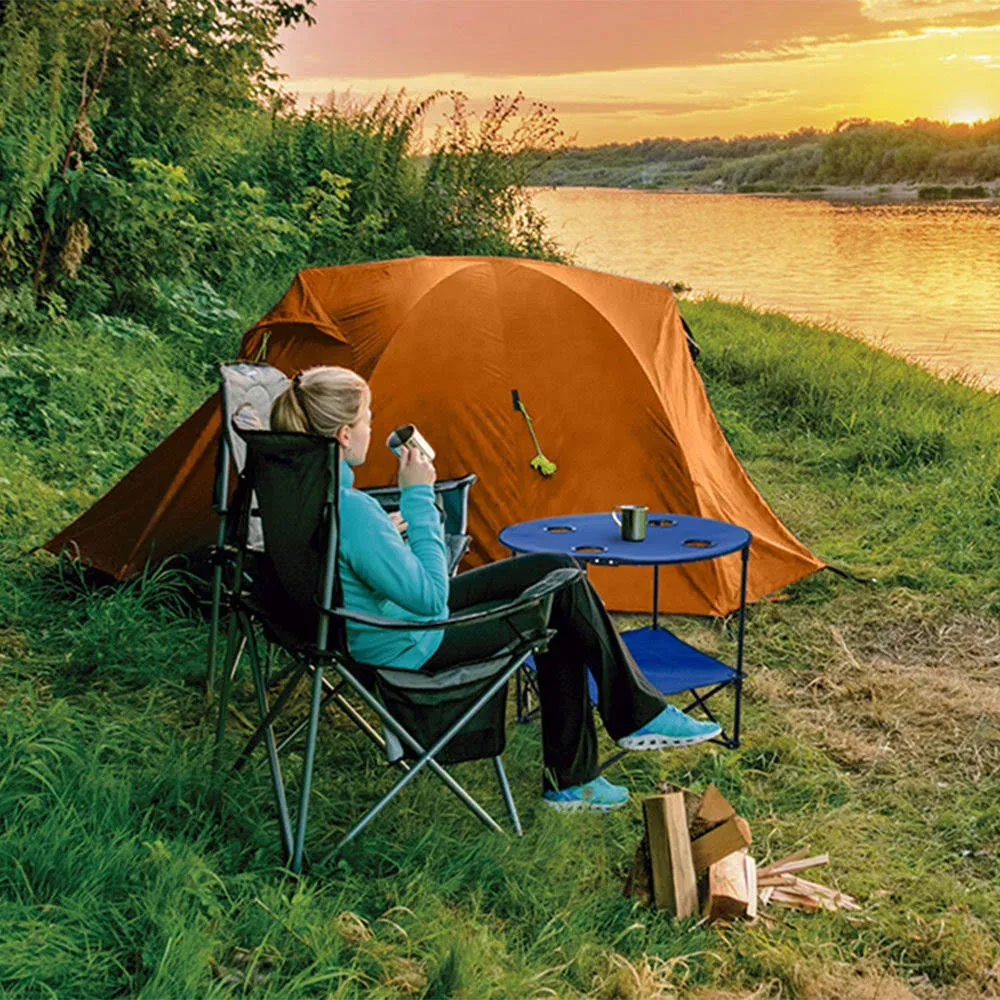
(919, 279)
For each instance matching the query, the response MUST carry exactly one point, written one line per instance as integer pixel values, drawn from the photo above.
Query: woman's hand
(398, 522)
(415, 468)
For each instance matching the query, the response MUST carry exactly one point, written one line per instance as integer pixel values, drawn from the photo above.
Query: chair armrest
(440, 486)
(530, 597)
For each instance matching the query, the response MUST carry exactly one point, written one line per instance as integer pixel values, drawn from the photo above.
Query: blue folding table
(669, 663)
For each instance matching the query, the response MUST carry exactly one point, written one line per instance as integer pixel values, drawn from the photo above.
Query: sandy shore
(866, 193)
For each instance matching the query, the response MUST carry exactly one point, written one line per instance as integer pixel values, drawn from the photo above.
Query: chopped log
(639, 881)
(674, 886)
(766, 894)
(733, 835)
(692, 800)
(714, 808)
(751, 874)
(802, 852)
(728, 893)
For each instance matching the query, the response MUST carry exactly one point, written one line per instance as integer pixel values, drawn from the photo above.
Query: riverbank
(872, 729)
(867, 194)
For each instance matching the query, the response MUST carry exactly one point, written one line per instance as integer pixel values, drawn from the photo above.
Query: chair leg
(213, 631)
(613, 759)
(267, 720)
(272, 753)
(524, 686)
(507, 797)
(332, 695)
(426, 757)
(701, 701)
(307, 767)
(232, 655)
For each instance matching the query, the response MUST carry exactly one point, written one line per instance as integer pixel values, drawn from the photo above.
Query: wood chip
(779, 879)
(790, 867)
(825, 890)
(752, 895)
(795, 901)
(802, 852)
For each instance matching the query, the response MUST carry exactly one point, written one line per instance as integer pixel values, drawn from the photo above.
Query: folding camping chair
(435, 718)
(248, 391)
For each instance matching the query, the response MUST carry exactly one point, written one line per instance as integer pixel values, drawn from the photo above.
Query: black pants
(585, 639)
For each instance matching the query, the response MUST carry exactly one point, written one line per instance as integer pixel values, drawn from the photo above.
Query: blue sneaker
(671, 728)
(598, 794)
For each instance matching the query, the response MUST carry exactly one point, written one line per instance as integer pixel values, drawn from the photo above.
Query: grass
(872, 725)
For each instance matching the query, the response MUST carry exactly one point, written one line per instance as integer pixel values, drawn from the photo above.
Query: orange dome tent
(600, 362)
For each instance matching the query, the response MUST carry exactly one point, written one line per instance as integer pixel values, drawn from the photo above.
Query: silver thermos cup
(409, 436)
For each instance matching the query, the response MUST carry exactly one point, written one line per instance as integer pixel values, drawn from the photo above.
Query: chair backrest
(253, 385)
(296, 481)
(249, 389)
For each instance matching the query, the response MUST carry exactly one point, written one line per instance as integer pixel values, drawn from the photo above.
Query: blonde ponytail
(320, 401)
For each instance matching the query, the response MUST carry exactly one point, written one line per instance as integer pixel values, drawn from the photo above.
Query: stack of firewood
(693, 859)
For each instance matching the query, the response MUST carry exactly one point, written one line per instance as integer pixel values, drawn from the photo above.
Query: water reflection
(922, 280)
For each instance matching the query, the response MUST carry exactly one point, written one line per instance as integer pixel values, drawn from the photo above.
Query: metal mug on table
(631, 518)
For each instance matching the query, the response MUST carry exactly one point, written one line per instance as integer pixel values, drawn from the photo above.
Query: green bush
(977, 191)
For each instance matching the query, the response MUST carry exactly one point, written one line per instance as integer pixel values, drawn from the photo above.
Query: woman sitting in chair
(383, 575)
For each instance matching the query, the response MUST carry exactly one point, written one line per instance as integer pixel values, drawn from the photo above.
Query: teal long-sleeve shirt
(383, 575)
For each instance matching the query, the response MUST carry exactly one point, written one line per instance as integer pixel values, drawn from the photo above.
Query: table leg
(656, 596)
(745, 557)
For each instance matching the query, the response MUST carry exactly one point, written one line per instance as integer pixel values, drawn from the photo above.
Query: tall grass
(904, 467)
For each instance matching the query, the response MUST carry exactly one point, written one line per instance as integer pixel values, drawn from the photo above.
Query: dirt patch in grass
(845, 982)
(901, 695)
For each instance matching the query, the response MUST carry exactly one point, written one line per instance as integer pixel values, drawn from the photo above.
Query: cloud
(408, 38)
(979, 11)
(717, 102)
(369, 39)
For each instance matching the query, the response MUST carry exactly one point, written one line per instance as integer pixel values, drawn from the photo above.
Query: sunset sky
(622, 70)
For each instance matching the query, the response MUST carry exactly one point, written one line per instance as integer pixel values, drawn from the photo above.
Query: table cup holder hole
(590, 548)
(560, 529)
(661, 522)
(698, 543)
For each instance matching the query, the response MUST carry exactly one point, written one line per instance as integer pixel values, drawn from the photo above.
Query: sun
(968, 115)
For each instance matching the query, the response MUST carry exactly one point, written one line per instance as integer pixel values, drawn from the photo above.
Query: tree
(103, 83)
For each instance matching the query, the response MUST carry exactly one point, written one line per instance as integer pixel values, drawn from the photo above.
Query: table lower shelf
(670, 664)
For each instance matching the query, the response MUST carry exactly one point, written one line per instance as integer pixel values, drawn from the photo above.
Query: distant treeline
(857, 151)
